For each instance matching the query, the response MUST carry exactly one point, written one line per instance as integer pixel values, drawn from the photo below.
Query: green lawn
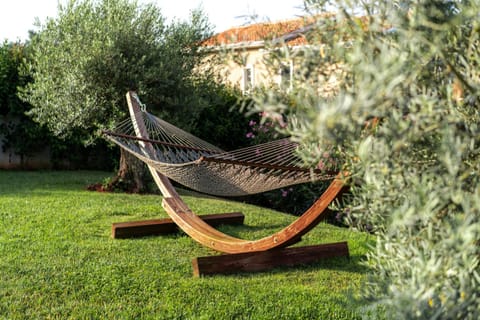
(58, 260)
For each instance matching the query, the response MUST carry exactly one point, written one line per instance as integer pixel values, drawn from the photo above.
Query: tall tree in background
(18, 131)
(414, 65)
(86, 59)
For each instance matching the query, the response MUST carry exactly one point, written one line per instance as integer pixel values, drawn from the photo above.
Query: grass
(58, 260)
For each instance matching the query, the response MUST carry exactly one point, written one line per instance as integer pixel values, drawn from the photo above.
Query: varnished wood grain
(135, 229)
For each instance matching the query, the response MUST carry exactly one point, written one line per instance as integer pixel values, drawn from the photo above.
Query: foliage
(295, 199)
(19, 132)
(87, 58)
(25, 136)
(221, 122)
(412, 66)
(74, 155)
(59, 262)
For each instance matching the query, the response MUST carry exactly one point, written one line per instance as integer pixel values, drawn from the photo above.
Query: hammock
(173, 153)
(203, 167)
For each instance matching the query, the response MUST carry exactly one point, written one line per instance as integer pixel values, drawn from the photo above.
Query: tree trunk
(132, 175)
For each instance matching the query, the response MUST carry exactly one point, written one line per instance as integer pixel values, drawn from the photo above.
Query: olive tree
(85, 60)
(405, 121)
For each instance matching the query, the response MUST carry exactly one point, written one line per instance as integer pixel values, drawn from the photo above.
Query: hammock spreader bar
(168, 144)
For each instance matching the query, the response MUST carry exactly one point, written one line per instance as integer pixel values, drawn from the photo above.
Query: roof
(291, 32)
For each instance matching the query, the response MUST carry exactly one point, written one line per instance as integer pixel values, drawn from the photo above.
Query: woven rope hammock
(201, 166)
(173, 153)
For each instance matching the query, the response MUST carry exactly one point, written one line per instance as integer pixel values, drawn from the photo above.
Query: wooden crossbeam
(135, 229)
(266, 260)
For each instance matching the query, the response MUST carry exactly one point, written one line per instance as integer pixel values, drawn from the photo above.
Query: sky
(17, 17)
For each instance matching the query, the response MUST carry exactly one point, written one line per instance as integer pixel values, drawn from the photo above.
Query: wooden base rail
(135, 229)
(266, 260)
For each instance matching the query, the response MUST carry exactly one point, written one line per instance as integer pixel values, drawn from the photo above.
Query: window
(248, 81)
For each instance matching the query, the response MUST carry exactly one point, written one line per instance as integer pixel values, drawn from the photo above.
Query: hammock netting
(203, 167)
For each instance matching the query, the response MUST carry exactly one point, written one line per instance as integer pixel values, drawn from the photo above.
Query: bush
(19, 132)
(221, 122)
(413, 65)
(26, 137)
(264, 127)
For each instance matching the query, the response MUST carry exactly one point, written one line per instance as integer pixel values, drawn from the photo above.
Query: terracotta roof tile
(260, 32)
(292, 32)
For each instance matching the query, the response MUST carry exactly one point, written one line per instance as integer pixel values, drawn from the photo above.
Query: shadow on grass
(352, 264)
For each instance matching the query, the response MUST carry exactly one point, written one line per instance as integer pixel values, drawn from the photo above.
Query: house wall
(232, 68)
(232, 71)
(250, 58)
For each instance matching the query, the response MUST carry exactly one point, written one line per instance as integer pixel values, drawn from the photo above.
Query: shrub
(221, 121)
(415, 178)
(19, 132)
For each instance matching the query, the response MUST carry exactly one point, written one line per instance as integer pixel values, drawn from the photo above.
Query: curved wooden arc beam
(192, 225)
(203, 233)
(162, 182)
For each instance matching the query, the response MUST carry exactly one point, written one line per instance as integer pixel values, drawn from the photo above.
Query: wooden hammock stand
(239, 255)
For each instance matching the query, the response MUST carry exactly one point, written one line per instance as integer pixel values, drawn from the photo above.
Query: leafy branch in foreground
(413, 65)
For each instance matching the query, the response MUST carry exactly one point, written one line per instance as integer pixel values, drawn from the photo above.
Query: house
(249, 48)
